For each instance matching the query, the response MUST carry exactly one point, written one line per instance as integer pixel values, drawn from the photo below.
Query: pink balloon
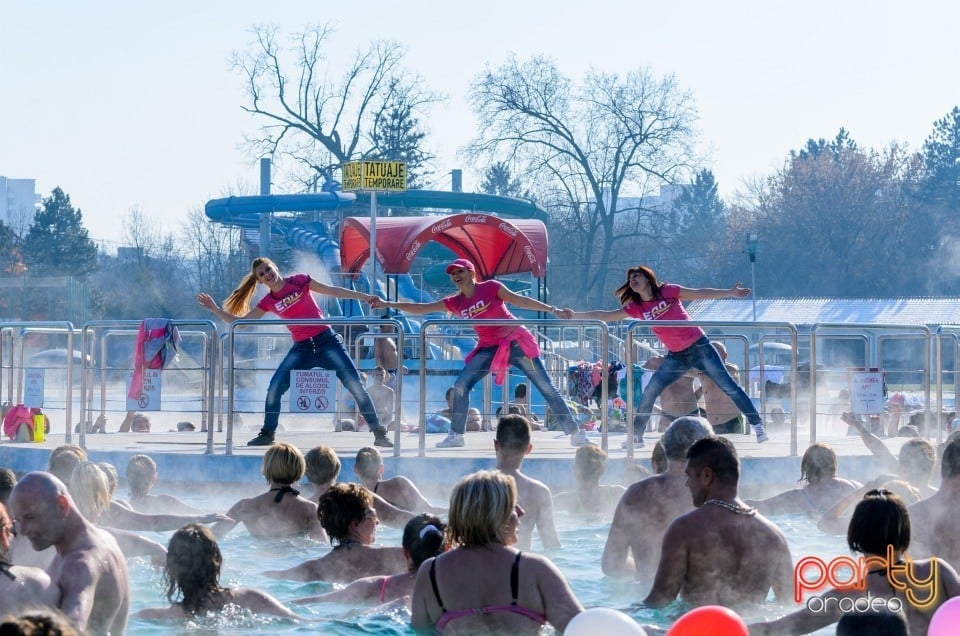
(710, 620)
(946, 619)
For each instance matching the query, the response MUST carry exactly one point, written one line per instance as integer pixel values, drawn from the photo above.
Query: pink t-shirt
(484, 304)
(667, 307)
(295, 301)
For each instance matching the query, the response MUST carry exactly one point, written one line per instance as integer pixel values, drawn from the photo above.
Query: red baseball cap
(460, 263)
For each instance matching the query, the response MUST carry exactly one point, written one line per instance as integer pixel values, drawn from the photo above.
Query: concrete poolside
(181, 457)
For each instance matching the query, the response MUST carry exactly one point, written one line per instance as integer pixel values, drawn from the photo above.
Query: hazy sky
(127, 104)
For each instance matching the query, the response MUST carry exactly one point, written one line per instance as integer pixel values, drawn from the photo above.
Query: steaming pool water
(245, 558)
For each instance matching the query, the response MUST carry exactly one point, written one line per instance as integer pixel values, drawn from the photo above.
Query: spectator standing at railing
(643, 297)
(498, 347)
(313, 345)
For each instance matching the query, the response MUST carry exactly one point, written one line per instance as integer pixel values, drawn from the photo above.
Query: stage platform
(182, 458)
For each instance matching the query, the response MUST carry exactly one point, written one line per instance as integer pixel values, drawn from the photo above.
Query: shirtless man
(724, 552)
(281, 511)
(89, 571)
(678, 399)
(21, 586)
(916, 460)
(141, 478)
(935, 519)
(398, 490)
(649, 505)
(511, 445)
(386, 355)
(722, 413)
(384, 398)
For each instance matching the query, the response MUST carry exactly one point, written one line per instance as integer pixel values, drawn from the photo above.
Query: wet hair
(192, 570)
(682, 433)
(449, 392)
(658, 458)
(38, 622)
(238, 302)
(950, 458)
(368, 462)
(480, 507)
(908, 430)
(513, 432)
(818, 464)
(63, 459)
(340, 506)
(113, 478)
(719, 455)
(590, 462)
(625, 294)
(322, 465)
(8, 479)
(283, 463)
(520, 391)
(879, 520)
(90, 490)
(423, 538)
(918, 457)
(141, 474)
(881, 622)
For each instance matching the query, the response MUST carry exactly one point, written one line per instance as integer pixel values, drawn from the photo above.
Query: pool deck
(182, 457)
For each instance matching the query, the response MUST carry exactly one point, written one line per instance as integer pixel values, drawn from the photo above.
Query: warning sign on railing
(149, 399)
(312, 391)
(866, 392)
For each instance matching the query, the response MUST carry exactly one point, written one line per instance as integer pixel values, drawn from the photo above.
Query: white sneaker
(452, 440)
(579, 438)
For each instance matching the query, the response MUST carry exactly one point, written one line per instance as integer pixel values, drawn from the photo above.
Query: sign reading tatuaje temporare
(375, 175)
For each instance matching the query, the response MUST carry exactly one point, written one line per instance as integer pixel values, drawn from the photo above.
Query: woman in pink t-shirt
(313, 345)
(498, 347)
(644, 298)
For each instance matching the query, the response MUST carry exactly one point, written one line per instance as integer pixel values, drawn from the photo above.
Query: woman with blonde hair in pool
(423, 538)
(484, 585)
(192, 577)
(346, 512)
(281, 511)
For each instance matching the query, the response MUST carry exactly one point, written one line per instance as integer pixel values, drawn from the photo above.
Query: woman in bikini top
(462, 590)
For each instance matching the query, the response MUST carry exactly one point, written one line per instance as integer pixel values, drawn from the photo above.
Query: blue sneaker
(761, 434)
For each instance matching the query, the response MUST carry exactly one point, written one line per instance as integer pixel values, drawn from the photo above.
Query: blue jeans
(701, 356)
(326, 351)
(479, 367)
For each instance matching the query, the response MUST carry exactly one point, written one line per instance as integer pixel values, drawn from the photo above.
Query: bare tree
(214, 257)
(588, 147)
(317, 121)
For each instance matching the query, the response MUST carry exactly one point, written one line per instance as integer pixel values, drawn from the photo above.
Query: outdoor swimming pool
(245, 558)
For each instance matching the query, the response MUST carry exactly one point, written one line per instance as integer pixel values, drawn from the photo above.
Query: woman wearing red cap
(497, 347)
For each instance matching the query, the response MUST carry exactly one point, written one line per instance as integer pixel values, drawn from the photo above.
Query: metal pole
(753, 285)
(373, 241)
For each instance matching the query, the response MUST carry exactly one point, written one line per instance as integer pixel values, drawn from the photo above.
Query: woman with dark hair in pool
(423, 538)
(192, 576)
(643, 297)
(880, 528)
(821, 487)
(313, 345)
(346, 512)
(484, 584)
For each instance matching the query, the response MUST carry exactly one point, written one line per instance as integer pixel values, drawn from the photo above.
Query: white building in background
(19, 202)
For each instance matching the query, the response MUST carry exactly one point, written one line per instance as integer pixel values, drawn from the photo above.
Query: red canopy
(495, 245)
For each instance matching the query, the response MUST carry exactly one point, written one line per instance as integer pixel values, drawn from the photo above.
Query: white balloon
(603, 620)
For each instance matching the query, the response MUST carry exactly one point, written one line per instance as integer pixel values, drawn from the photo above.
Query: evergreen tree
(396, 136)
(57, 244)
(941, 159)
(498, 179)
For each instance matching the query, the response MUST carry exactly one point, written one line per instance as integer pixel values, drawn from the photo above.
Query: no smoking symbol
(303, 403)
(143, 401)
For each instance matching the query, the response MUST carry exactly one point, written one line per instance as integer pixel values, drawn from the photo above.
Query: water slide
(245, 212)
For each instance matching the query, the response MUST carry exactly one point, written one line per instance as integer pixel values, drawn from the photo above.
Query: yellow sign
(374, 175)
